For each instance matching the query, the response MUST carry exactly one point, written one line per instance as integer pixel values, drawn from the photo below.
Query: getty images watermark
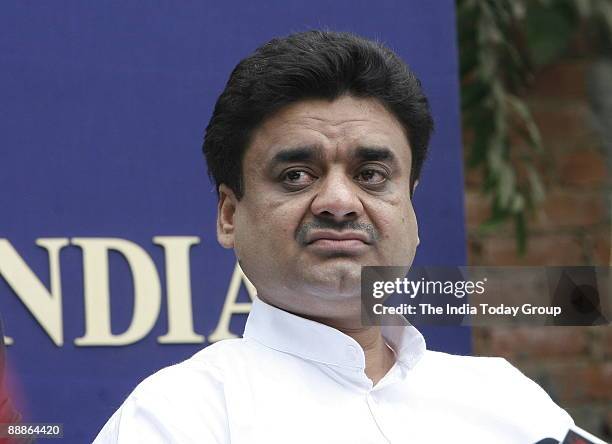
(486, 295)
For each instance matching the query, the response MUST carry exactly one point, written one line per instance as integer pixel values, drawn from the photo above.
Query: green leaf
(493, 65)
(473, 95)
(506, 186)
(537, 193)
(521, 233)
(518, 204)
(479, 148)
(493, 223)
(520, 108)
(548, 29)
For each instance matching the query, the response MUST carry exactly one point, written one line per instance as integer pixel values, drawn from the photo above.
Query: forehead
(336, 127)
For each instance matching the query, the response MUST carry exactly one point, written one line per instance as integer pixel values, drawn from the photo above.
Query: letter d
(147, 291)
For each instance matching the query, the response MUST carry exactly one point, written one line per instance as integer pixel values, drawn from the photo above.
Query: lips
(339, 238)
(337, 243)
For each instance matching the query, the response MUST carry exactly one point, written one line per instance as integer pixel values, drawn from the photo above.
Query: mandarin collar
(313, 341)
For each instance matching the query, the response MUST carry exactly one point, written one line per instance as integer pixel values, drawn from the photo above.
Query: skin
(314, 171)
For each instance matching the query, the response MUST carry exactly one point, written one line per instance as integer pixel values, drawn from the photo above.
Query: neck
(379, 358)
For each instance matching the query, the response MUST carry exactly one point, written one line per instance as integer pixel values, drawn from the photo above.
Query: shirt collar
(288, 333)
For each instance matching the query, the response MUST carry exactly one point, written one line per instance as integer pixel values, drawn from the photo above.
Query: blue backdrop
(102, 112)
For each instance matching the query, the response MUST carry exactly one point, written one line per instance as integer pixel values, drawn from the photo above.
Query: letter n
(45, 306)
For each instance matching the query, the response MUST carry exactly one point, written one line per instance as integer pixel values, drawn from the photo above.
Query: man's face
(326, 191)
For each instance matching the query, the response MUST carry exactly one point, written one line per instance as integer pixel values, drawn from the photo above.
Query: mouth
(350, 243)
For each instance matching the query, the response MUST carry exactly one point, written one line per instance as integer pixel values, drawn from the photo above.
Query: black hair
(311, 65)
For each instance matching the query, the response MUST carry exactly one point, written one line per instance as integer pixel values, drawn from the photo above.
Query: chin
(335, 281)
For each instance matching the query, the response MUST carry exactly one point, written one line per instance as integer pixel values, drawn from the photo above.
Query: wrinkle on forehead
(324, 120)
(335, 113)
(331, 130)
(338, 125)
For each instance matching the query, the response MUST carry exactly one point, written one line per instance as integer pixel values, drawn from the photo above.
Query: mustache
(327, 224)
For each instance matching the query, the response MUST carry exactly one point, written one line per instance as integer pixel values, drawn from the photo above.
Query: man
(316, 145)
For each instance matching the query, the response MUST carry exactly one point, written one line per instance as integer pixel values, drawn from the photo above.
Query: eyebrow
(298, 154)
(310, 153)
(374, 153)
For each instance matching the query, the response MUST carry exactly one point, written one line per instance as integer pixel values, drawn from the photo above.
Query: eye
(297, 178)
(371, 176)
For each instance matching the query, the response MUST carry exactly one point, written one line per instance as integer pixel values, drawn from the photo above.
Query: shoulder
(185, 400)
(477, 371)
(203, 373)
(480, 368)
(462, 365)
(495, 382)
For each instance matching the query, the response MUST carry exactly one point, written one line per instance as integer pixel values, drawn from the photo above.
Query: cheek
(410, 219)
(394, 219)
(399, 233)
(266, 226)
(246, 225)
(409, 225)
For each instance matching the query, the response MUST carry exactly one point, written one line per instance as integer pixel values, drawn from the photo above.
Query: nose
(337, 198)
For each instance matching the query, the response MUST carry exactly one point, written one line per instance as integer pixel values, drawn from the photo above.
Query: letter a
(231, 307)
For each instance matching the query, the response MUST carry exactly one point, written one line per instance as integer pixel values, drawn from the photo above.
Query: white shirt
(292, 380)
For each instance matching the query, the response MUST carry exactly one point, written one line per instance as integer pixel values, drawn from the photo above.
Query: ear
(226, 210)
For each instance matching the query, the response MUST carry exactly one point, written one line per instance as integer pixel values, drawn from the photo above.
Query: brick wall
(572, 227)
